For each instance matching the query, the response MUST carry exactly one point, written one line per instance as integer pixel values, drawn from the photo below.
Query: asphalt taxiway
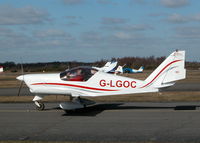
(141, 121)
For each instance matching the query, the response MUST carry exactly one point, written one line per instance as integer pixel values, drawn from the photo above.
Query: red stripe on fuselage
(72, 85)
(160, 72)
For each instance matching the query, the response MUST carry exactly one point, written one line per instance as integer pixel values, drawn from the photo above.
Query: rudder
(169, 71)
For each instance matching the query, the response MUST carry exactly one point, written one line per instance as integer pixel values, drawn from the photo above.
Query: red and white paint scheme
(89, 82)
(1, 69)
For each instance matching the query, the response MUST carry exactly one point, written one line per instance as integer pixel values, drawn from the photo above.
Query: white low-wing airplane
(108, 67)
(121, 70)
(86, 81)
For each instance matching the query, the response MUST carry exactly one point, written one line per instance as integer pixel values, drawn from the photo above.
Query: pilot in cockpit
(75, 75)
(78, 74)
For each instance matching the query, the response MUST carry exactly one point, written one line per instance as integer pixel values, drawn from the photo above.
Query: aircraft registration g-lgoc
(89, 82)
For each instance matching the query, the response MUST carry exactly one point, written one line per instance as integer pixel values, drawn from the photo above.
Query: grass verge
(146, 97)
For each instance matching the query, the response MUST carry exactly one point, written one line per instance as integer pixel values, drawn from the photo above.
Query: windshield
(78, 74)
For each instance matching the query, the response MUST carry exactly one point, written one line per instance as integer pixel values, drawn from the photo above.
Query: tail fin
(109, 66)
(141, 69)
(169, 71)
(119, 69)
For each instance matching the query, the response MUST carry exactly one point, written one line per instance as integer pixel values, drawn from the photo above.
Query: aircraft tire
(41, 107)
(84, 106)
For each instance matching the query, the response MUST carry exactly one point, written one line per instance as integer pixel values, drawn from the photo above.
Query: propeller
(22, 79)
(20, 87)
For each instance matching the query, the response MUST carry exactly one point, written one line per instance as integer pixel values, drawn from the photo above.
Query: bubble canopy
(81, 73)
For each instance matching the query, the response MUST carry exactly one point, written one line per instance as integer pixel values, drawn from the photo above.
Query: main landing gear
(76, 103)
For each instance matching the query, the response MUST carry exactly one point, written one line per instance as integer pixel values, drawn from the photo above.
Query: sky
(91, 30)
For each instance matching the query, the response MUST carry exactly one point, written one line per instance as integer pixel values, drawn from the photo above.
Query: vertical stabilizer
(119, 69)
(141, 69)
(169, 71)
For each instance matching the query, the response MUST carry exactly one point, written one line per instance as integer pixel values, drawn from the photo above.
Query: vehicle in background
(1, 69)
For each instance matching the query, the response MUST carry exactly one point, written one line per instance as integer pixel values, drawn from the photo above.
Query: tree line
(149, 63)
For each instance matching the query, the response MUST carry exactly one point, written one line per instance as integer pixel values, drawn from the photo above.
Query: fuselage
(100, 84)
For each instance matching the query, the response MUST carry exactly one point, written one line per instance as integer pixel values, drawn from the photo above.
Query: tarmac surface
(116, 122)
(177, 87)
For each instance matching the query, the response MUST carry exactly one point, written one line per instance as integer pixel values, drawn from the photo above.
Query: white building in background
(1, 69)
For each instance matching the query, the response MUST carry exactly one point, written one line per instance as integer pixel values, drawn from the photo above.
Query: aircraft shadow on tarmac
(98, 108)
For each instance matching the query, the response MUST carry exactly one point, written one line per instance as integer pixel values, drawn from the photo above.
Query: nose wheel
(39, 106)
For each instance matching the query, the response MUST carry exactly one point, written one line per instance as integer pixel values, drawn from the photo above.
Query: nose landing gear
(39, 105)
